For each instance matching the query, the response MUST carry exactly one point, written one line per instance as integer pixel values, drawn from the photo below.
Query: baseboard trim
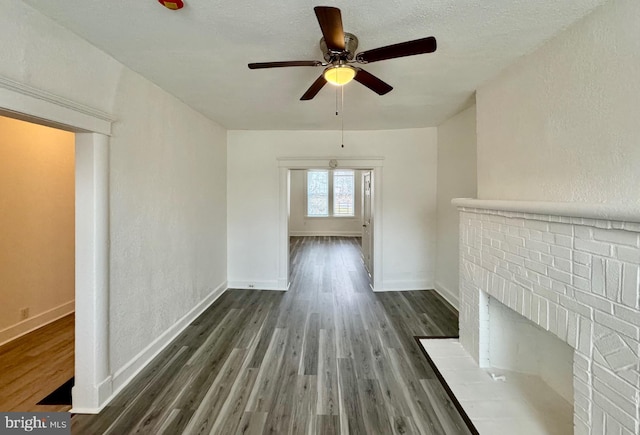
(277, 285)
(325, 233)
(36, 322)
(126, 374)
(447, 294)
(404, 285)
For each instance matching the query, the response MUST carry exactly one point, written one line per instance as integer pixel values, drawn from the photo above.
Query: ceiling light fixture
(339, 75)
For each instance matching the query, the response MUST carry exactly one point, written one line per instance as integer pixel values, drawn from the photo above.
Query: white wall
(167, 178)
(408, 197)
(301, 225)
(37, 205)
(562, 123)
(456, 179)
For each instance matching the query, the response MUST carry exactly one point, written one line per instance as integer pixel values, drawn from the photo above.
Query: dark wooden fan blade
(409, 48)
(260, 65)
(330, 22)
(315, 88)
(372, 82)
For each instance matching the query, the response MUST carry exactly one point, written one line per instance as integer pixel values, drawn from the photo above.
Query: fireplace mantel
(567, 212)
(572, 269)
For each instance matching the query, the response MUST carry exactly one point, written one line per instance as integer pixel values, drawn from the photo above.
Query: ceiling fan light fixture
(339, 75)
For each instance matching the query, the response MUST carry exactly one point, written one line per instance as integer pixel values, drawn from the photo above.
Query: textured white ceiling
(200, 53)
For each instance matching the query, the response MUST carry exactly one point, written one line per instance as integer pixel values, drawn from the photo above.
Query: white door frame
(93, 128)
(285, 164)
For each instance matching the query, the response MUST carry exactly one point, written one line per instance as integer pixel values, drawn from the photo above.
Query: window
(330, 193)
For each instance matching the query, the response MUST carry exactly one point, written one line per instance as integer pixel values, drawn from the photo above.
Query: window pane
(343, 193)
(318, 193)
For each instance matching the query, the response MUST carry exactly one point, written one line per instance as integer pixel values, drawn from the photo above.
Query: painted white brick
(581, 387)
(626, 314)
(611, 409)
(597, 420)
(566, 241)
(563, 265)
(548, 238)
(593, 247)
(543, 313)
(553, 318)
(617, 325)
(537, 225)
(630, 288)
(537, 246)
(575, 306)
(572, 330)
(630, 255)
(594, 301)
(515, 259)
(563, 323)
(619, 237)
(561, 229)
(560, 276)
(535, 266)
(624, 404)
(581, 270)
(558, 286)
(622, 359)
(584, 338)
(597, 275)
(582, 258)
(622, 387)
(561, 252)
(613, 279)
(583, 232)
(546, 259)
(584, 282)
(612, 427)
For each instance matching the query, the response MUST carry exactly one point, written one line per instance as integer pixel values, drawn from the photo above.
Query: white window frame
(330, 194)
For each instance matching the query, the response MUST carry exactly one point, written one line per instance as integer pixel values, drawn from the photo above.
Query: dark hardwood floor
(329, 356)
(34, 365)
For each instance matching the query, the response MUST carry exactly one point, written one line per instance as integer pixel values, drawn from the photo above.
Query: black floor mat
(61, 396)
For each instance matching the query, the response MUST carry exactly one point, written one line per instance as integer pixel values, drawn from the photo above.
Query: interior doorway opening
(91, 129)
(37, 265)
(294, 211)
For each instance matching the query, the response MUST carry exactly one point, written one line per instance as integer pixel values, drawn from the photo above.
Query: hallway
(328, 356)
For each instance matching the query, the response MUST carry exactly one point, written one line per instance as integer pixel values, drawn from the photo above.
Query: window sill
(329, 217)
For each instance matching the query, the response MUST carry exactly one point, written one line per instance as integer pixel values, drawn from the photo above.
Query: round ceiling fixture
(174, 5)
(339, 75)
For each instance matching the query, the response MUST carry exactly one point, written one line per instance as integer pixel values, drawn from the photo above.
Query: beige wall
(36, 223)
(456, 179)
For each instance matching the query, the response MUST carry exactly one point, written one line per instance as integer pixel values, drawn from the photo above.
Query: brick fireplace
(573, 270)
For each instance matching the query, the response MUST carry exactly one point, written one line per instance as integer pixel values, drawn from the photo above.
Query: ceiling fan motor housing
(350, 47)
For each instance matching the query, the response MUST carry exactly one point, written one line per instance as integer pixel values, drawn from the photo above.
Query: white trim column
(92, 375)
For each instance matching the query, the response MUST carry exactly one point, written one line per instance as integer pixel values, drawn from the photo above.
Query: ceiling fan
(339, 50)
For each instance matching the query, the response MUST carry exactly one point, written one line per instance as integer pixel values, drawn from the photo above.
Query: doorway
(92, 129)
(37, 261)
(374, 165)
(367, 224)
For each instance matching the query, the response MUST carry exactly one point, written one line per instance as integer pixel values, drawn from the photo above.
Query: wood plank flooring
(34, 365)
(327, 357)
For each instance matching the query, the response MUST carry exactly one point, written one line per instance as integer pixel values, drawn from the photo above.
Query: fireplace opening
(533, 361)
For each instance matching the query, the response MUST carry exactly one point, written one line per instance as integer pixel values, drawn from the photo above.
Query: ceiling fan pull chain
(342, 113)
(336, 101)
